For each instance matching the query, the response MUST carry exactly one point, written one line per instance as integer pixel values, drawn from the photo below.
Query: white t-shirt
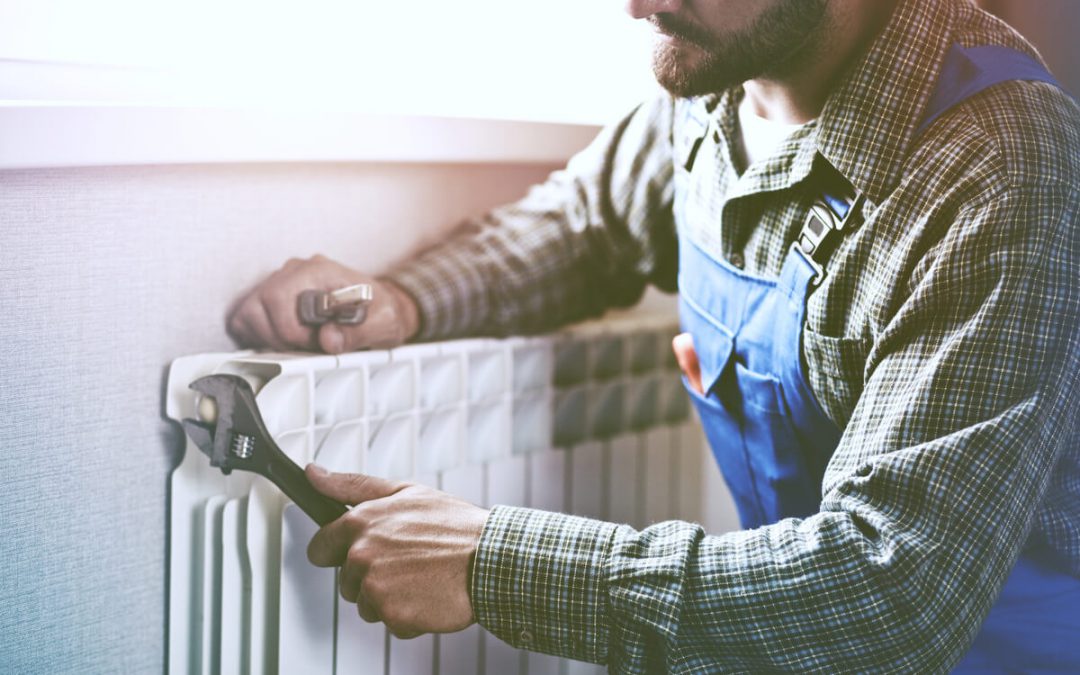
(759, 137)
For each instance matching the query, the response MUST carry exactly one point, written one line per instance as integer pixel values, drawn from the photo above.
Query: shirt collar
(788, 165)
(869, 121)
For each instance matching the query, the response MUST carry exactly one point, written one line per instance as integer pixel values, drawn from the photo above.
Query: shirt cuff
(448, 292)
(538, 582)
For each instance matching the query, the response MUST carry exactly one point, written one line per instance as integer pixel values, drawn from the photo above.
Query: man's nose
(640, 9)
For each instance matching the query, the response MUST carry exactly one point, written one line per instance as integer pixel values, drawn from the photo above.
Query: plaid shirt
(945, 342)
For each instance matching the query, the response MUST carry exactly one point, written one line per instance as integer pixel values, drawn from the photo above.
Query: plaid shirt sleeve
(972, 399)
(591, 237)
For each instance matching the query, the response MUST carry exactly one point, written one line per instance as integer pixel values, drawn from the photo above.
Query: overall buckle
(829, 218)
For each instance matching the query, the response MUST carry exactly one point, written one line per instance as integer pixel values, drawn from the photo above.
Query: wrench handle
(294, 483)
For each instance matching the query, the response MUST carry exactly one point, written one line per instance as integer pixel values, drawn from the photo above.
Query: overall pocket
(785, 485)
(720, 418)
(749, 428)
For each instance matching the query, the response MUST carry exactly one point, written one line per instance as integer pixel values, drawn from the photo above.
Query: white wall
(159, 157)
(106, 276)
(1052, 26)
(164, 188)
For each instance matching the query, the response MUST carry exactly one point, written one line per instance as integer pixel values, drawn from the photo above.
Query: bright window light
(557, 60)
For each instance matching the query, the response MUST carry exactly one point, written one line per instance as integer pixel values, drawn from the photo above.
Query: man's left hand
(405, 551)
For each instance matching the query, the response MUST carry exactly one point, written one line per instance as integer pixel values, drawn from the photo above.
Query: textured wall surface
(106, 275)
(1052, 26)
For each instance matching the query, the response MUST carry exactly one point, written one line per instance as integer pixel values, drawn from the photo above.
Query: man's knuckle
(288, 328)
(235, 324)
(395, 619)
(366, 611)
(407, 617)
(406, 633)
(346, 592)
(347, 586)
(356, 519)
(271, 296)
(374, 590)
(358, 556)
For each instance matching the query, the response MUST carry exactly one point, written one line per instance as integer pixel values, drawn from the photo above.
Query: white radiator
(591, 421)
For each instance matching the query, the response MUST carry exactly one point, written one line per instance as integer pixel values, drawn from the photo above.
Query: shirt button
(526, 637)
(737, 260)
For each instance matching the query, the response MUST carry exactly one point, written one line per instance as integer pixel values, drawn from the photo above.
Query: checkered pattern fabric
(945, 341)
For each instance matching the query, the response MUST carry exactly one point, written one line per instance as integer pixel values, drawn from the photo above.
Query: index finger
(332, 542)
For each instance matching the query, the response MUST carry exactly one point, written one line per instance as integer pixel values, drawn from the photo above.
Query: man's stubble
(782, 38)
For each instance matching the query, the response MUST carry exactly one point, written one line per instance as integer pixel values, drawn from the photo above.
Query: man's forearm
(589, 238)
(809, 596)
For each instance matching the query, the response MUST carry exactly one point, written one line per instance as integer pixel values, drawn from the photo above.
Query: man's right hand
(267, 317)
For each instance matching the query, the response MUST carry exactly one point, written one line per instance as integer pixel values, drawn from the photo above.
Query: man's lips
(672, 31)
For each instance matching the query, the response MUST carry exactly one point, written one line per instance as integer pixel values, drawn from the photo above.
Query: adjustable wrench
(238, 439)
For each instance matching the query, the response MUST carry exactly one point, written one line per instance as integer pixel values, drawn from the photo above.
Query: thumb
(350, 488)
(332, 338)
(335, 338)
(683, 344)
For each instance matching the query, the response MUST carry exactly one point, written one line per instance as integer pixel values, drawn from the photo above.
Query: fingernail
(334, 341)
(317, 470)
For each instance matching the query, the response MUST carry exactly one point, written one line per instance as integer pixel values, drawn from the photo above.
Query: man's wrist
(406, 308)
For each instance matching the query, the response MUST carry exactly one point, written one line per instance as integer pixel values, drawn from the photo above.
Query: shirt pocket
(833, 368)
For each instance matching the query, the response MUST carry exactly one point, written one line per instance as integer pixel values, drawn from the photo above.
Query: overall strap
(834, 211)
(965, 72)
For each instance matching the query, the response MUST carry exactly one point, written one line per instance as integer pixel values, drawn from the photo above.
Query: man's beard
(700, 63)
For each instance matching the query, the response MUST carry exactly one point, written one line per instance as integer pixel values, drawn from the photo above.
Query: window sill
(47, 134)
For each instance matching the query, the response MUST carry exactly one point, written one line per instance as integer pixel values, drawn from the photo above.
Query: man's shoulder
(1027, 133)
(1016, 134)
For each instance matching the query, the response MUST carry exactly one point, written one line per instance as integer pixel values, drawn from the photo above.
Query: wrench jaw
(203, 436)
(238, 439)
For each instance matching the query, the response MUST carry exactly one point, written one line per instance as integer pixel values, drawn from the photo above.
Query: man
(890, 386)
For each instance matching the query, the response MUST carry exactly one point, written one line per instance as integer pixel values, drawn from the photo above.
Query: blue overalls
(767, 431)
